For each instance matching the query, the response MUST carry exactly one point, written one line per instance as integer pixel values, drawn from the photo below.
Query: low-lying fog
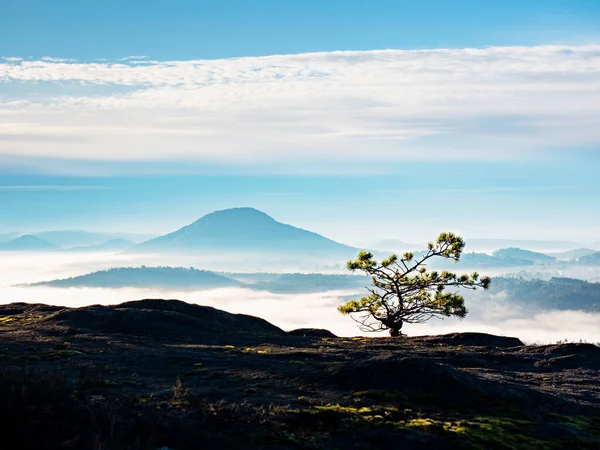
(287, 311)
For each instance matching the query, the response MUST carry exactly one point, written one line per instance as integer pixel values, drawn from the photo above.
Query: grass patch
(180, 394)
(17, 319)
(59, 354)
(475, 432)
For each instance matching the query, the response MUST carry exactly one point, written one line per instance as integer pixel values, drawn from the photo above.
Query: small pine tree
(403, 291)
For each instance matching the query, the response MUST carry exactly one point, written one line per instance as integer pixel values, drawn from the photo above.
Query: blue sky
(197, 29)
(353, 119)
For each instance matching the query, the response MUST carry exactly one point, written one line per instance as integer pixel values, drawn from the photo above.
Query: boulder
(167, 319)
(474, 339)
(312, 332)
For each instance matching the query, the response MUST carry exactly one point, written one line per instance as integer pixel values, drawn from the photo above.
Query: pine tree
(404, 291)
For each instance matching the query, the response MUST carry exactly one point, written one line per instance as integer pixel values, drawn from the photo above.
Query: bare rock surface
(474, 339)
(172, 319)
(163, 373)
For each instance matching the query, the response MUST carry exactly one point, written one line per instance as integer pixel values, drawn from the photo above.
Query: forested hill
(150, 277)
(590, 260)
(556, 293)
(190, 278)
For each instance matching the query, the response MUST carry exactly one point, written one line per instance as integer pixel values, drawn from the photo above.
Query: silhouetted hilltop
(393, 245)
(573, 254)
(527, 255)
(190, 278)
(297, 283)
(153, 277)
(483, 260)
(503, 258)
(554, 294)
(244, 230)
(171, 319)
(110, 245)
(8, 236)
(27, 242)
(83, 238)
(590, 260)
(532, 244)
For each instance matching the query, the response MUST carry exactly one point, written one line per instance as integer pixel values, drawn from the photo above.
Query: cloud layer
(284, 310)
(389, 105)
(319, 311)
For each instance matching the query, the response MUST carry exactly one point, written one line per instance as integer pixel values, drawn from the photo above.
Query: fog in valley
(487, 313)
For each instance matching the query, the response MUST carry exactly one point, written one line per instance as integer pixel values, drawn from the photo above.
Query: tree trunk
(395, 329)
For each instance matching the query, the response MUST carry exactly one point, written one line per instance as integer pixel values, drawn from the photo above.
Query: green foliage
(403, 291)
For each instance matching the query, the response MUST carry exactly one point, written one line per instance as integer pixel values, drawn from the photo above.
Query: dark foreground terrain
(158, 374)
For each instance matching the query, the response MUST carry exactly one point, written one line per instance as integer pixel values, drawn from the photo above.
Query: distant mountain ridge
(9, 236)
(110, 245)
(27, 242)
(530, 244)
(79, 238)
(555, 293)
(527, 255)
(503, 258)
(483, 260)
(190, 278)
(244, 230)
(146, 277)
(68, 239)
(590, 260)
(573, 254)
(395, 245)
(488, 245)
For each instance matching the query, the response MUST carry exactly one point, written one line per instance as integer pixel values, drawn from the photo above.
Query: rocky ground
(158, 374)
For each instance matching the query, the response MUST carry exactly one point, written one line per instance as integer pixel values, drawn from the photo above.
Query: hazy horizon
(483, 244)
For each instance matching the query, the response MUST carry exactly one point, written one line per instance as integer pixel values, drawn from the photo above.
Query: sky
(360, 120)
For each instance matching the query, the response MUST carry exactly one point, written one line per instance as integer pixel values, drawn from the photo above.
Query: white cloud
(127, 58)
(387, 105)
(319, 311)
(56, 60)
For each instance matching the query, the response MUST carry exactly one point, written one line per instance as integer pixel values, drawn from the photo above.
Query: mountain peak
(241, 213)
(31, 239)
(244, 229)
(27, 242)
(27, 237)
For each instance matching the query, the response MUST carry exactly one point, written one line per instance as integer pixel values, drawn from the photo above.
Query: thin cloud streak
(57, 60)
(54, 188)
